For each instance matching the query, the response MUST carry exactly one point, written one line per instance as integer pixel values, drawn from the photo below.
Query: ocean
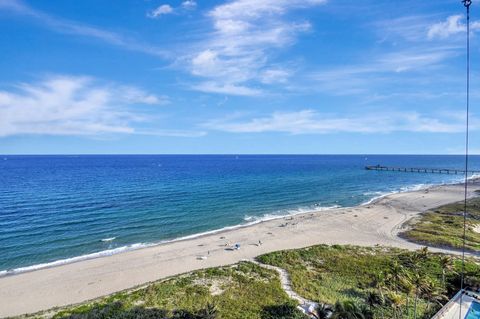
(59, 209)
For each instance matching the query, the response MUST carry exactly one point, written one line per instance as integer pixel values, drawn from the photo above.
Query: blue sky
(236, 76)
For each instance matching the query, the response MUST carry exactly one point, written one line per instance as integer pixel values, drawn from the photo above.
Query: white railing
(447, 306)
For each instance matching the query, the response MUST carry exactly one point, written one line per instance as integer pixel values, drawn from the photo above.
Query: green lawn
(443, 226)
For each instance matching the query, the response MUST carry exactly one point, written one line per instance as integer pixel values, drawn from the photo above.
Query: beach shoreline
(256, 220)
(375, 223)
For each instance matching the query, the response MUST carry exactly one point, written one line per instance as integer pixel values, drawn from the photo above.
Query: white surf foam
(410, 188)
(250, 220)
(474, 177)
(378, 196)
(103, 253)
(413, 188)
(287, 213)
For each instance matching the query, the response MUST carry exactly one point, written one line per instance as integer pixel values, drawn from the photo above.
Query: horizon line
(236, 154)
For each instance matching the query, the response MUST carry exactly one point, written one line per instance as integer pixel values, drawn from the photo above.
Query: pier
(418, 170)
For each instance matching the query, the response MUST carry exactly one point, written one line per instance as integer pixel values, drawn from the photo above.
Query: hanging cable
(467, 4)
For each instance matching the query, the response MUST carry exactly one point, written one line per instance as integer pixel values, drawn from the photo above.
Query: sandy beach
(375, 224)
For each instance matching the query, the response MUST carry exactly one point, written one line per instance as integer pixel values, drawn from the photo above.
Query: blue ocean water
(54, 208)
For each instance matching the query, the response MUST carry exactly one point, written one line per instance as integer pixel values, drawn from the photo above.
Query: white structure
(452, 309)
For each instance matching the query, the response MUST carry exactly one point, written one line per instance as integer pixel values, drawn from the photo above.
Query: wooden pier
(419, 170)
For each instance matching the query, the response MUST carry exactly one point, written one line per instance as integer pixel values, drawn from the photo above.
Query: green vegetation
(373, 282)
(347, 281)
(443, 226)
(244, 290)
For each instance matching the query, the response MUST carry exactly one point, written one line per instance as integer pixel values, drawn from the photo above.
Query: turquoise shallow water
(55, 208)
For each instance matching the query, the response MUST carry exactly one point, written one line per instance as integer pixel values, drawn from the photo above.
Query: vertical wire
(462, 283)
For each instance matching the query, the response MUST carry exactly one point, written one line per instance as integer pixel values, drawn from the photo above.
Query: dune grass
(245, 288)
(328, 274)
(443, 226)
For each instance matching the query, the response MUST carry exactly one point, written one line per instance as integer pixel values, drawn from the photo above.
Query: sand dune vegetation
(346, 282)
(443, 226)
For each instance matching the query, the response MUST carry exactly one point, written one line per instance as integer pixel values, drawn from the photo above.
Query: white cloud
(66, 105)
(447, 28)
(166, 9)
(418, 28)
(274, 75)
(189, 4)
(229, 89)
(453, 25)
(245, 34)
(410, 28)
(131, 94)
(254, 9)
(402, 66)
(64, 26)
(415, 59)
(312, 122)
(173, 133)
(161, 10)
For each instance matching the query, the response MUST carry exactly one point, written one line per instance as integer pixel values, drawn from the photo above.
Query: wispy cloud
(164, 9)
(173, 133)
(189, 4)
(389, 68)
(60, 25)
(404, 57)
(411, 28)
(275, 75)
(313, 122)
(445, 29)
(227, 88)
(67, 105)
(418, 28)
(415, 59)
(239, 49)
(452, 26)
